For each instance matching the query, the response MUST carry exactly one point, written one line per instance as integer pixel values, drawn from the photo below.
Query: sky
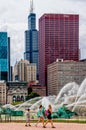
(14, 20)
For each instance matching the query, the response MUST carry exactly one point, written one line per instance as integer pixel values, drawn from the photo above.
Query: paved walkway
(59, 126)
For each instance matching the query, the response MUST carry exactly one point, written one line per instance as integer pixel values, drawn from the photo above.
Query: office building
(31, 39)
(24, 71)
(62, 72)
(9, 67)
(58, 38)
(31, 72)
(4, 56)
(41, 90)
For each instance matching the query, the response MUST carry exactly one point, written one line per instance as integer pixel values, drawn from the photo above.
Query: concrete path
(59, 126)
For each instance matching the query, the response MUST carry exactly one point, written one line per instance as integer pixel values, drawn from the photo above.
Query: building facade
(62, 72)
(24, 71)
(58, 38)
(41, 90)
(31, 72)
(9, 67)
(16, 91)
(2, 92)
(31, 40)
(4, 56)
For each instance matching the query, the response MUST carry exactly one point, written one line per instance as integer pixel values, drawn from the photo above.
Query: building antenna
(31, 6)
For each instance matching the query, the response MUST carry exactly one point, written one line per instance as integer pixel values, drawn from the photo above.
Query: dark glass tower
(4, 56)
(31, 40)
(9, 68)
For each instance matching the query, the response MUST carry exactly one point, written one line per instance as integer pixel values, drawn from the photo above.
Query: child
(40, 115)
(28, 117)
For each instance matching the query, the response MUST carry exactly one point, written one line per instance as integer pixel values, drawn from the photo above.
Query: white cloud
(14, 13)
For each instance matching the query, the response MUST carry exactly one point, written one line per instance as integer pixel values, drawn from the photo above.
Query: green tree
(32, 95)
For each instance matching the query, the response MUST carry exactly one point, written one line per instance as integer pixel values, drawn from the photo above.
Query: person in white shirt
(28, 117)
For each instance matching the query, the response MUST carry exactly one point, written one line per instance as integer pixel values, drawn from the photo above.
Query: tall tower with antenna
(31, 17)
(31, 38)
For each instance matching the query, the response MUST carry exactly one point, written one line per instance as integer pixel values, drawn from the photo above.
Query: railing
(8, 117)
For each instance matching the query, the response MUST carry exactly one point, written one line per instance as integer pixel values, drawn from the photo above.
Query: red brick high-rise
(58, 39)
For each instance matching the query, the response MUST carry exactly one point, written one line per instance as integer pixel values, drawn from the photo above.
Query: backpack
(46, 113)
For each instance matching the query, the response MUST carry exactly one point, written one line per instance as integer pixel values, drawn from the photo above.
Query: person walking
(40, 115)
(28, 117)
(49, 118)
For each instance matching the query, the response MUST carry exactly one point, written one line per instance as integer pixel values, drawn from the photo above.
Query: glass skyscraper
(9, 67)
(31, 41)
(58, 39)
(4, 50)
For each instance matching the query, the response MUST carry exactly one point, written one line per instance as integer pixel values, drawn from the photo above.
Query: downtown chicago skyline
(65, 40)
(15, 21)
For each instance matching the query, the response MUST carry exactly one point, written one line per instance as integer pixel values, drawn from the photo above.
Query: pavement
(59, 126)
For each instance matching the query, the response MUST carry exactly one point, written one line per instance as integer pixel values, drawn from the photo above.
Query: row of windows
(62, 21)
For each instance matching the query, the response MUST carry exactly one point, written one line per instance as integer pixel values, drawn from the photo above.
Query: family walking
(42, 113)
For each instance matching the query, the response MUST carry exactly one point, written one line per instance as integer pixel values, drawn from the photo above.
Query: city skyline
(15, 21)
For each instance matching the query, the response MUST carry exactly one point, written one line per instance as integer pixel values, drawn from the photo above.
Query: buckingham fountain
(71, 99)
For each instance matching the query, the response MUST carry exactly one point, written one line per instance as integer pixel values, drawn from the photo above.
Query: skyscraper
(58, 39)
(4, 48)
(31, 39)
(9, 67)
(24, 71)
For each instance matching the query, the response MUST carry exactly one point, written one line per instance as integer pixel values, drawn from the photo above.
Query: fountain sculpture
(71, 99)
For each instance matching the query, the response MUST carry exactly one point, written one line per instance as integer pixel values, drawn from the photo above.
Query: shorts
(27, 119)
(49, 117)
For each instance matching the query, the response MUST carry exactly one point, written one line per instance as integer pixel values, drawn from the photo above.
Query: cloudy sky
(14, 13)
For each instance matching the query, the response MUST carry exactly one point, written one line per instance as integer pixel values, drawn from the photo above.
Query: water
(29, 104)
(72, 95)
(66, 92)
(81, 95)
